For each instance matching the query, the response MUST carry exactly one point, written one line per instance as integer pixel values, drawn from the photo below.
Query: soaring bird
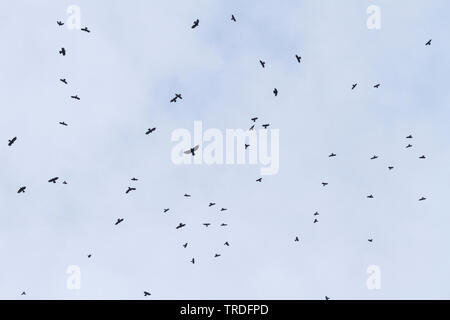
(315, 221)
(233, 18)
(252, 127)
(22, 190)
(193, 261)
(316, 213)
(422, 157)
(226, 244)
(207, 224)
(62, 51)
(327, 298)
(265, 126)
(246, 146)
(223, 209)
(332, 155)
(409, 137)
(185, 245)
(370, 240)
(187, 195)
(119, 220)
(254, 119)
(53, 180)
(275, 92)
(390, 167)
(354, 86)
(63, 80)
(211, 204)
(377, 85)
(85, 29)
(374, 157)
(23, 293)
(60, 23)
(181, 225)
(89, 255)
(11, 142)
(409, 146)
(298, 58)
(422, 199)
(224, 225)
(192, 150)
(63, 123)
(130, 189)
(146, 293)
(75, 97)
(165, 210)
(296, 239)
(216, 255)
(134, 179)
(370, 196)
(195, 24)
(177, 96)
(263, 63)
(428, 43)
(259, 180)
(324, 184)
(150, 130)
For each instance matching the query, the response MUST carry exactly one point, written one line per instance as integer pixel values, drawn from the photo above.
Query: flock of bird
(192, 150)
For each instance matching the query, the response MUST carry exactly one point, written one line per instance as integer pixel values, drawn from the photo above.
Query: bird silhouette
(53, 180)
(89, 255)
(224, 225)
(265, 126)
(146, 293)
(370, 196)
(21, 190)
(327, 298)
(23, 293)
(134, 179)
(259, 180)
(185, 245)
(332, 155)
(187, 195)
(316, 213)
(150, 130)
(263, 63)
(422, 199)
(181, 225)
(85, 29)
(223, 209)
(64, 182)
(252, 127)
(207, 224)
(119, 220)
(195, 24)
(165, 210)
(212, 204)
(254, 119)
(62, 51)
(246, 146)
(390, 167)
(370, 240)
(354, 86)
(192, 150)
(216, 255)
(315, 221)
(409, 146)
(130, 189)
(428, 43)
(422, 157)
(275, 92)
(75, 97)
(226, 244)
(63, 123)
(177, 96)
(296, 239)
(233, 18)
(377, 85)
(60, 23)
(374, 157)
(193, 261)
(63, 81)
(298, 58)
(324, 184)
(409, 137)
(11, 142)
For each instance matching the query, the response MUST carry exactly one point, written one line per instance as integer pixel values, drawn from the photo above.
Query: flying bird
(233, 18)
(316, 213)
(275, 92)
(11, 142)
(422, 157)
(216, 255)
(75, 97)
(60, 23)
(377, 85)
(85, 29)
(428, 43)
(263, 63)
(224, 225)
(207, 224)
(181, 225)
(130, 189)
(195, 24)
(327, 298)
(63, 123)
(22, 190)
(252, 127)
(146, 293)
(324, 184)
(226, 244)
(370, 240)
(332, 155)
(265, 126)
(53, 180)
(212, 204)
(390, 167)
(315, 221)
(65, 182)
(374, 157)
(354, 86)
(409, 137)
(422, 199)
(89, 255)
(62, 51)
(23, 293)
(165, 210)
(150, 130)
(134, 179)
(296, 239)
(409, 146)
(298, 58)
(223, 209)
(63, 80)
(192, 150)
(119, 220)
(187, 195)
(246, 146)
(259, 180)
(177, 96)
(370, 196)
(193, 261)
(254, 119)
(185, 245)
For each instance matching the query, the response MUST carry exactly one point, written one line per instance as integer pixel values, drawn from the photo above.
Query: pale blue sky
(138, 54)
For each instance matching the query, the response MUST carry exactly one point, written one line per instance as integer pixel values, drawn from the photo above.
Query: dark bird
(422, 199)
(377, 85)
(265, 126)
(409, 137)
(134, 179)
(130, 189)
(428, 43)
(53, 179)
(374, 157)
(195, 24)
(62, 51)
(146, 293)
(193, 261)
(370, 196)
(275, 92)
(22, 190)
(327, 298)
(181, 225)
(150, 130)
(298, 58)
(85, 29)
(216, 255)
(316, 213)
(11, 142)
(63, 123)
(177, 96)
(390, 167)
(65, 182)
(354, 86)
(252, 127)
(224, 225)
(254, 119)
(332, 155)
(226, 244)
(259, 180)
(422, 157)
(192, 150)
(60, 23)
(370, 240)
(233, 18)
(296, 239)
(187, 195)
(185, 245)
(212, 204)
(63, 81)
(75, 97)
(23, 293)
(165, 210)
(223, 209)
(89, 255)
(119, 220)
(207, 224)
(324, 184)
(263, 63)
(246, 146)
(315, 221)
(409, 146)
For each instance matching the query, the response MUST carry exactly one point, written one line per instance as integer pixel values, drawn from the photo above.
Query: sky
(136, 57)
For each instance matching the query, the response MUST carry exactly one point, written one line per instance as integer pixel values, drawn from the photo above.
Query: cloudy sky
(140, 53)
